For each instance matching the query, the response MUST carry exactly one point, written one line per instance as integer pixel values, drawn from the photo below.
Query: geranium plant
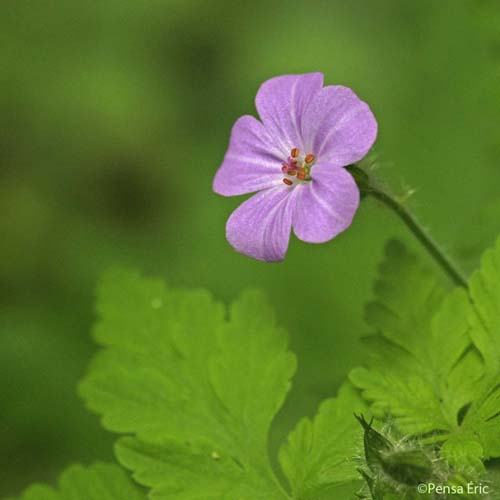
(191, 387)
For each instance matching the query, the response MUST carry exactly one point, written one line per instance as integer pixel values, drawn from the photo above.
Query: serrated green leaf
(412, 361)
(187, 473)
(462, 450)
(98, 482)
(407, 297)
(189, 384)
(319, 454)
(485, 315)
(421, 369)
(483, 418)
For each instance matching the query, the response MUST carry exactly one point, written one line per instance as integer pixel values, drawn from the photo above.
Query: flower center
(298, 168)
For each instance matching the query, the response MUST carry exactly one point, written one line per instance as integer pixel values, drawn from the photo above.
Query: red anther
(285, 168)
(309, 158)
(301, 175)
(295, 152)
(288, 182)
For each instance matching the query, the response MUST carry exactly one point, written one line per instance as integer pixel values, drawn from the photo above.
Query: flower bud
(409, 466)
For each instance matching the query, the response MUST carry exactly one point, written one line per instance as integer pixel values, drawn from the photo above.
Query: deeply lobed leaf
(320, 454)
(422, 370)
(196, 390)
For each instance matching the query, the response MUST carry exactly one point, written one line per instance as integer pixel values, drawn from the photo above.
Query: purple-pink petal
(252, 161)
(338, 127)
(282, 102)
(306, 189)
(260, 227)
(325, 206)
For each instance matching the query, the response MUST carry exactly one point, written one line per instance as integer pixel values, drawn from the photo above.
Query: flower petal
(251, 162)
(282, 102)
(260, 227)
(326, 206)
(338, 127)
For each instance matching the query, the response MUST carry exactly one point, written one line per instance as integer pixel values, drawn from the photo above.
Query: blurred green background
(114, 116)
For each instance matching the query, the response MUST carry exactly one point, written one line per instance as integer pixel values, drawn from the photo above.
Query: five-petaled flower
(295, 158)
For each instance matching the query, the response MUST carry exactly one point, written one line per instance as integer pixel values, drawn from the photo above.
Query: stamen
(297, 166)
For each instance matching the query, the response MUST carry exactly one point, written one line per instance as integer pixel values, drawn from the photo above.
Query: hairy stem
(367, 187)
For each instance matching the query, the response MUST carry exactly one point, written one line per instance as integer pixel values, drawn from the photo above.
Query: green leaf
(421, 371)
(319, 454)
(413, 360)
(196, 471)
(463, 450)
(485, 315)
(407, 297)
(483, 418)
(198, 391)
(98, 482)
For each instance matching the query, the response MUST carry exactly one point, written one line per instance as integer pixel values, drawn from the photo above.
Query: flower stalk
(368, 187)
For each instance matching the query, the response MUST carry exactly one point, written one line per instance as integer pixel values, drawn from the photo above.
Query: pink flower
(295, 159)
